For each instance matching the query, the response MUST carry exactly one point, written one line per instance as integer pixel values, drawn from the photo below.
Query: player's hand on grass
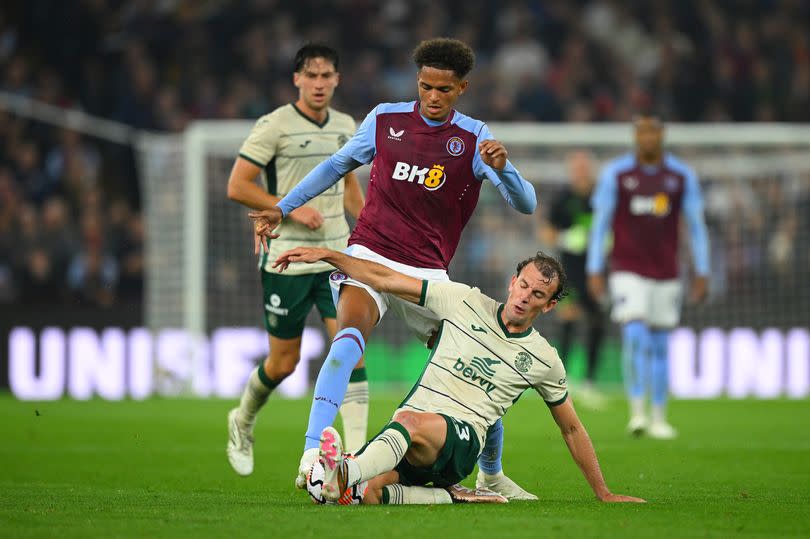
(620, 498)
(264, 222)
(493, 153)
(309, 217)
(700, 289)
(307, 255)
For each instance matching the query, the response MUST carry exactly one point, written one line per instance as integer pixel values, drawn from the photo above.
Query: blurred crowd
(70, 223)
(63, 236)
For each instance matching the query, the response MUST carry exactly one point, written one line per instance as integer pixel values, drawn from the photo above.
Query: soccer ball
(353, 495)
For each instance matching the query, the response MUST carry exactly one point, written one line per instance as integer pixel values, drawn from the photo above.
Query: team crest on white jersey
(395, 135)
(455, 146)
(523, 362)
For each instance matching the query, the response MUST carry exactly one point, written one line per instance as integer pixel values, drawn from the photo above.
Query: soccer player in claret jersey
(641, 196)
(428, 163)
(285, 145)
(485, 356)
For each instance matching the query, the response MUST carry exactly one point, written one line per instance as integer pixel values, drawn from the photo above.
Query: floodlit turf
(158, 469)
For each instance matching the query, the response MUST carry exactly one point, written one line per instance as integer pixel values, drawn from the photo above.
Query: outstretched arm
(581, 448)
(377, 276)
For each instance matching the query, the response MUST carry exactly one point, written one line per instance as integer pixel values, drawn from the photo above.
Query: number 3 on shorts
(463, 431)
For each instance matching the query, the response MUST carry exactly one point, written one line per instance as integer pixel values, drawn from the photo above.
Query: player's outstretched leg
(490, 471)
(635, 351)
(330, 388)
(659, 386)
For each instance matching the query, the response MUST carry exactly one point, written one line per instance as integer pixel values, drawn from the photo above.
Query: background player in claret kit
(485, 356)
(568, 227)
(285, 145)
(641, 197)
(428, 163)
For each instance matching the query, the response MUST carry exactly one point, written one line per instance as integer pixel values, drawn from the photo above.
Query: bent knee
(280, 366)
(410, 420)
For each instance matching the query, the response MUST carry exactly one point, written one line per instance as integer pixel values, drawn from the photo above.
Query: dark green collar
(506, 332)
(310, 120)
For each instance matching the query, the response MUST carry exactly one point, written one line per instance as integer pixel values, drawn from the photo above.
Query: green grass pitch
(158, 469)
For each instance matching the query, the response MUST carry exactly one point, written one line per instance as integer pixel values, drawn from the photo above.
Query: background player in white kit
(485, 356)
(285, 145)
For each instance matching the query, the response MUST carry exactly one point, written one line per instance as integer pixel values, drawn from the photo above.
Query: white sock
(381, 455)
(397, 494)
(253, 398)
(637, 407)
(354, 413)
(659, 413)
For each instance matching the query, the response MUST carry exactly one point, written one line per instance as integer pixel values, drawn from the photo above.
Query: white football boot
(637, 425)
(334, 466)
(661, 430)
(501, 484)
(307, 460)
(240, 446)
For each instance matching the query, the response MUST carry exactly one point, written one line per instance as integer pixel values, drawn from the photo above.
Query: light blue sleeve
(359, 150)
(514, 189)
(693, 211)
(603, 201)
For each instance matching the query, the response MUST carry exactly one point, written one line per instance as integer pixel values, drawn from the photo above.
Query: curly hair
(314, 50)
(445, 53)
(549, 267)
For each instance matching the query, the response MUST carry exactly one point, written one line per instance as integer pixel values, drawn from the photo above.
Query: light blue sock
(490, 459)
(635, 351)
(345, 352)
(659, 367)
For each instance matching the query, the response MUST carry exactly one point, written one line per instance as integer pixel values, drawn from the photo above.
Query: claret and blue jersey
(643, 205)
(424, 182)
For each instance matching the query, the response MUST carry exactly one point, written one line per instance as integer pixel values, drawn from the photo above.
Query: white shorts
(653, 301)
(419, 319)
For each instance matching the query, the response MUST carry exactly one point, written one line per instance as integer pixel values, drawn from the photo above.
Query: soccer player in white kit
(485, 356)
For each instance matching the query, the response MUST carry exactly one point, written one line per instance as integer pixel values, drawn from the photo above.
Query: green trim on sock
(399, 428)
(270, 384)
(386, 497)
(358, 375)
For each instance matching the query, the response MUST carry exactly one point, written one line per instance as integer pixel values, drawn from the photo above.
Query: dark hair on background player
(648, 113)
(445, 53)
(549, 267)
(315, 50)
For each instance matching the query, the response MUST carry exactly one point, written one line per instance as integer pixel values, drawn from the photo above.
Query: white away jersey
(477, 368)
(287, 144)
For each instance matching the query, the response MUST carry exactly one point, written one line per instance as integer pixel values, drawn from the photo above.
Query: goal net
(202, 274)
